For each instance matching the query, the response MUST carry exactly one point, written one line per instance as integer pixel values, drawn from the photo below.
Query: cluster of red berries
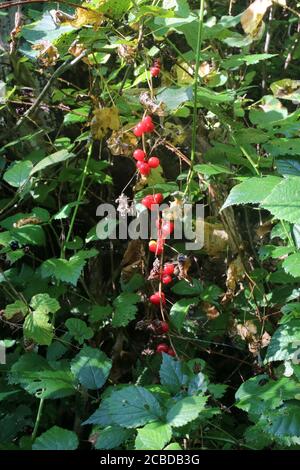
(145, 166)
(155, 69)
(167, 272)
(145, 126)
(165, 228)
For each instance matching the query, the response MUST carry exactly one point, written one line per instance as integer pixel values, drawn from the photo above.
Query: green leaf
(99, 313)
(17, 307)
(179, 311)
(288, 167)
(173, 446)
(125, 309)
(67, 270)
(38, 328)
(285, 342)
(284, 200)
(153, 436)
(29, 235)
(18, 173)
(283, 146)
(210, 169)
(44, 304)
(261, 393)
(171, 374)
(185, 411)
(184, 287)
(79, 329)
(52, 159)
(251, 191)
(66, 210)
(112, 437)
(91, 367)
(56, 438)
(284, 423)
(291, 265)
(132, 407)
(174, 97)
(45, 383)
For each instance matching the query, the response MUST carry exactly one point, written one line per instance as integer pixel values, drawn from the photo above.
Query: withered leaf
(104, 120)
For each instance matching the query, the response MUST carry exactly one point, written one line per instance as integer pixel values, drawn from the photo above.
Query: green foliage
(56, 438)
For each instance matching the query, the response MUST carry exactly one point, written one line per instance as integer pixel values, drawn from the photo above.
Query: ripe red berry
(162, 347)
(158, 198)
(156, 298)
(138, 165)
(144, 169)
(155, 247)
(138, 130)
(147, 124)
(166, 279)
(139, 155)
(171, 352)
(153, 162)
(147, 201)
(167, 227)
(168, 268)
(164, 327)
(155, 71)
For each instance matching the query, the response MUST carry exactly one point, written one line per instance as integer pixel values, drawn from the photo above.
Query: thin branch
(25, 2)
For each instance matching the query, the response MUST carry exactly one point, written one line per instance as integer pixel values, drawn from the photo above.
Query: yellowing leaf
(48, 54)
(235, 273)
(215, 239)
(85, 17)
(104, 120)
(252, 18)
(122, 142)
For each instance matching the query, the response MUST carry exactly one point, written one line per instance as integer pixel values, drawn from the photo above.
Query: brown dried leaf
(104, 120)
(122, 142)
(134, 259)
(48, 53)
(235, 273)
(252, 18)
(127, 53)
(27, 221)
(151, 105)
(85, 17)
(210, 310)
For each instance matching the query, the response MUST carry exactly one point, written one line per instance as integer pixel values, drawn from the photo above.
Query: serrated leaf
(125, 309)
(251, 191)
(288, 167)
(183, 287)
(153, 436)
(99, 313)
(79, 329)
(18, 173)
(291, 264)
(29, 235)
(91, 367)
(52, 159)
(210, 169)
(133, 406)
(284, 200)
(171, 374)
(174, 97)
(56, 438)
(112, 437)
(38, 328)
(285, 342)
(185, 411)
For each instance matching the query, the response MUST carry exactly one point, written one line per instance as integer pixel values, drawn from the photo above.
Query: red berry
(138, 165)
(166, 279)
(155, 71)
(158, 198)
(156, 298)
(164, 327)
(139, 155)
(153, 162)
(167, 227)
(138, 130)
(147, 201)
(162, 347)
(171, 352)
(147, 124)
(144, 169)
(156, 247)
(168, 269)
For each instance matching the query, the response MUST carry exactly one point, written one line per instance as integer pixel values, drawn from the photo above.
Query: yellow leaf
(47, 53)
(104, 120)
(85, 17)
(252, 18)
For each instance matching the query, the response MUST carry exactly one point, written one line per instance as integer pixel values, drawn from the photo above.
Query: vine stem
(195, 107)
(78, 200)
(38, 419)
